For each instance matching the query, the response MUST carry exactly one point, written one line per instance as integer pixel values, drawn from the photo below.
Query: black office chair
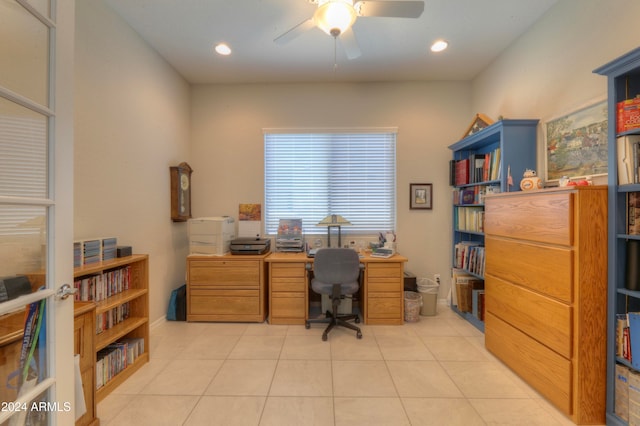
(336, 273)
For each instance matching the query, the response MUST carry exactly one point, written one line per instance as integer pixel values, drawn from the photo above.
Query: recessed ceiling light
(223, 49)
(439, 46)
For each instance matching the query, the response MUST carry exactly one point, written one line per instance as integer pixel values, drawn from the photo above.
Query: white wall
(131, 124)
(548, 71)
(227, 147)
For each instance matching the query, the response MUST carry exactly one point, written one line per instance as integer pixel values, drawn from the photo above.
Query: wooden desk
(226, 288)
(382, 292)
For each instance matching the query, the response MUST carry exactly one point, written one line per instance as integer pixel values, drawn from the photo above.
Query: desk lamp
(334, 221)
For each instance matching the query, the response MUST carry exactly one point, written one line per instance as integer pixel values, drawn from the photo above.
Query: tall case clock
(181, 192)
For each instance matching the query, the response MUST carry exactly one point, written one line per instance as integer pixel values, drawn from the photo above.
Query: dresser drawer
(224, 272)
(545, 370)
(548, 270)
(542, 217)
(545, 320)
(224, 302)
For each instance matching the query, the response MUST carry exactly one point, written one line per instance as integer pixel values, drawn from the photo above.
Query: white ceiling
(393, 49)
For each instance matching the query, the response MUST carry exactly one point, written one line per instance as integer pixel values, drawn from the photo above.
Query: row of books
(627, 394)
(112, 317)
(469, 256)
(473, 195)
(633, 213)
(116, 357)
(468, 292)
(469, 219)
(101, 286)
(90, 251)
(476, 168)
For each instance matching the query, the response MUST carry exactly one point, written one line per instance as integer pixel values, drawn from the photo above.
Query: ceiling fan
(335, 17)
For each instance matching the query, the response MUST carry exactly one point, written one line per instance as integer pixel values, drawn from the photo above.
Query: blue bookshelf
(623, 82)
(516, 141)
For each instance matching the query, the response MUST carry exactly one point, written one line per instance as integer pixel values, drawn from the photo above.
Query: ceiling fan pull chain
(335, 62)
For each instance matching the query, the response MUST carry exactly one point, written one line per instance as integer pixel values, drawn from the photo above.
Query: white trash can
(428, 289)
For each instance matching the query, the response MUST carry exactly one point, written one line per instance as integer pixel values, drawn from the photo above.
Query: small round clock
(181, 192)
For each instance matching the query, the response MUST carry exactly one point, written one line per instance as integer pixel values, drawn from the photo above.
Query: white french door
(36, 212)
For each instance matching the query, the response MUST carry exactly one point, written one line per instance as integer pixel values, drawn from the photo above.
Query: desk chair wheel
(359, 334)
(324, 336)
(357, 320)
(307, 325)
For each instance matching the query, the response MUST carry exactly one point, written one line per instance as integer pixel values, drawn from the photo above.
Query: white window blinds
(312, 175)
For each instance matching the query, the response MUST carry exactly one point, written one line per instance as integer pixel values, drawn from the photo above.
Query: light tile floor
(431, 372)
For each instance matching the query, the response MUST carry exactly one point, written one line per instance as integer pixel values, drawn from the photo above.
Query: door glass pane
(23, 243)
(23, 151)
(35, 412)
(24, 53)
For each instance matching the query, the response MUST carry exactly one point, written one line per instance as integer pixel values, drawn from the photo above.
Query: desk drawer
(544, 217)
(384, 305)
(384, 285)
(288, 284)
(384, 270)
(288, 305)
(224, 302)
(224, 272)
(287, 270)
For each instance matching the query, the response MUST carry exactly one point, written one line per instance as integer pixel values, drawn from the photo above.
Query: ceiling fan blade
(295, 31)
(390, 9)
(350, 44)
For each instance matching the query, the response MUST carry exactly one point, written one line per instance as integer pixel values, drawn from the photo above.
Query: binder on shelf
(634, 337)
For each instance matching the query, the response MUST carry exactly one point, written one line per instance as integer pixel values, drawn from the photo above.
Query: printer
(250, 245)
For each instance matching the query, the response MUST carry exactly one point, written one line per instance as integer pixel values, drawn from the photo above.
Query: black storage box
(410, 282)
(123, 251)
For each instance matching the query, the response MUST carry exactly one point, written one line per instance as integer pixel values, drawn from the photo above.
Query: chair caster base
(359, 335)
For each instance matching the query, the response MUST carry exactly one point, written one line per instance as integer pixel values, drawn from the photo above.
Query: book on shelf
(622, 392)
(469, 218)
(462, 172)
(469, 256)
(633, 319)
(628, 114)
(463, 286)
(633, 213)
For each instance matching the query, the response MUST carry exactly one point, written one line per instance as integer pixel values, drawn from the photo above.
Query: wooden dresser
(226, 288)
(545, 293)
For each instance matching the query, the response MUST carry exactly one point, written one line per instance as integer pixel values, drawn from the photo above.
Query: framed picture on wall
(421, 196)
(576, 143)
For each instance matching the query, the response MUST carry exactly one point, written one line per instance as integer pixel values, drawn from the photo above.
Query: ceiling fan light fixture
(335, 16)
(223, 49)
(439, 45)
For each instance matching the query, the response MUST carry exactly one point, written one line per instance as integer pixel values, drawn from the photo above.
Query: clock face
(184, 182)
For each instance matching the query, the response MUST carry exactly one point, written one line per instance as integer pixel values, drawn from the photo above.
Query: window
(312, 175)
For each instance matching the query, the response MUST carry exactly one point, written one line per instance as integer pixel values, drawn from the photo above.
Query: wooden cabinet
(623, 81)
(545, 293)
(84, 330)
(481, 162)
(288, 293)
(226, 288)
(384, 295)
(132, 326)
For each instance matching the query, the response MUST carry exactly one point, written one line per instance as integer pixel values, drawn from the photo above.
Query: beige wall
(227, 147)
(132, 123)
(135, 117)
(548, 71)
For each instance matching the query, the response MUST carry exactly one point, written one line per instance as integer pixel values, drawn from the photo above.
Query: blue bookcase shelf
(516, 140)
(623, 81)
